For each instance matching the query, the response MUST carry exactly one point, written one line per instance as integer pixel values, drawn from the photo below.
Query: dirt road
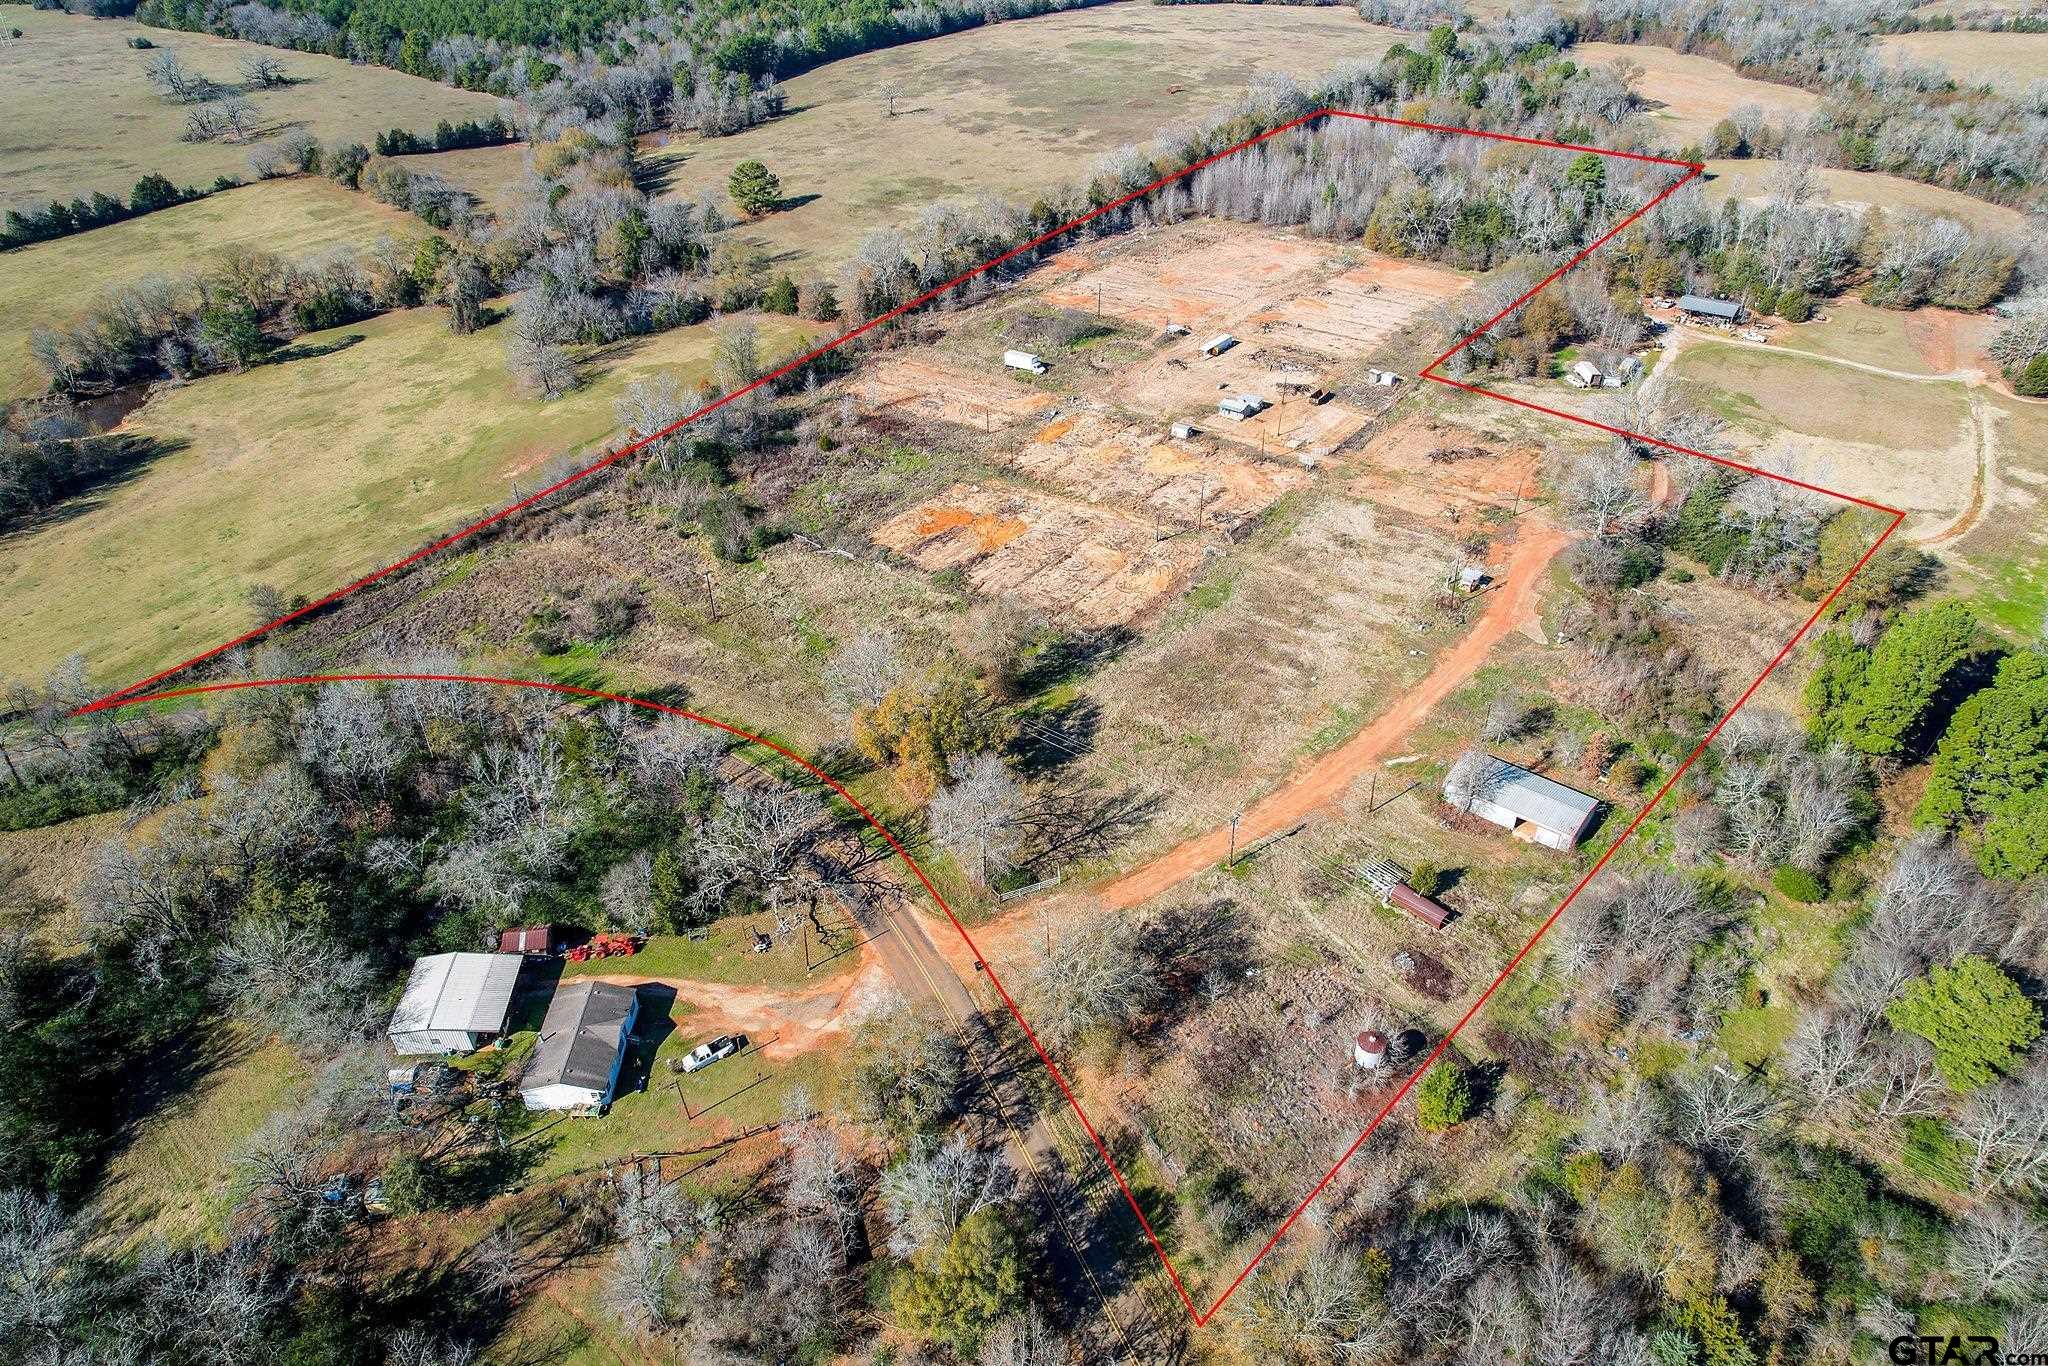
(1511, 607)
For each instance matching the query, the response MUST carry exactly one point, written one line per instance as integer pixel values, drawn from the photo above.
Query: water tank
(1370, 1050)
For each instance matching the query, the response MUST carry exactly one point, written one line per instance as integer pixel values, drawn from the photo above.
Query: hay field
(52, 282)
(1688, 95)
(302, 474)
(2004, 555)
(1921, 341)
(1865, 190)
(1010, 108)
(1911, 445)
(78, 115)
(2008, 62)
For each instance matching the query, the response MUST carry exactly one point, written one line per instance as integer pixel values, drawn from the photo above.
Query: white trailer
(1024, 360)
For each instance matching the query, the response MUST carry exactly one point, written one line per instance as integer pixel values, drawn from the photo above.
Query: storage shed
(541, 939)
(454, 1002)
(1529, 805)
(1216, 346)
(1238, 407)
(582, 1048)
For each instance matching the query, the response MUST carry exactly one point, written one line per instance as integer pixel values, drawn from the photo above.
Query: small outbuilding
(1369, 1050)
(1386, 379)
(1238, 407)
(1720, 310)
(1216, 346)
(582, 1048)
(1427, 909)
(536, 939)
(1526, 804)
(1584, 374)
(454, 1002)
(1182, 431)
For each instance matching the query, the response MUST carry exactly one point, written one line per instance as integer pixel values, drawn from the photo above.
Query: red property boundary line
(137, 692)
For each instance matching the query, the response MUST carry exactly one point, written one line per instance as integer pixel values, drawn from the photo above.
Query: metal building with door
(455, 1002)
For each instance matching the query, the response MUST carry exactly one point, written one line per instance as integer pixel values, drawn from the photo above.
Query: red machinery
(606, 946)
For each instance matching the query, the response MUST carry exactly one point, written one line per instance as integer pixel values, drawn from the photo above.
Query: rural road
(1326, 779)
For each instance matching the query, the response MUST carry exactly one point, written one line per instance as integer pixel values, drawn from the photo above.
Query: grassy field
(2005, 556)
(1923, 341)
(1012, 109)
(175, 1178)
(302, 474)
(78, 115)
(1688, 95)
(52, 282)
(726, 956)
(1867, 189)
(1798, 393)
(2008, 62)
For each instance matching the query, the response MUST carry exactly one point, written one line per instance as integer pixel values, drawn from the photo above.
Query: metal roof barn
(454, 1002)
(582, 1047)
(1529, 805)
(1712, 308)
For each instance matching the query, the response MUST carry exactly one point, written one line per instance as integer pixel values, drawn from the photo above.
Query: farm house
(582, 1048)
(454, 1002)
(1526, 804)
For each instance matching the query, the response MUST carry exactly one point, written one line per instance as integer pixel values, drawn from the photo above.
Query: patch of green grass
(726, 955)
(1754, 1034)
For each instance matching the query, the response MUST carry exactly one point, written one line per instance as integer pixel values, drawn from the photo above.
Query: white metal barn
(582, 1048)
(1528, 805)
(455, 1002)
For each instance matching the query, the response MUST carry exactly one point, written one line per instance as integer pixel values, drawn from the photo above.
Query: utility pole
(1235, 817)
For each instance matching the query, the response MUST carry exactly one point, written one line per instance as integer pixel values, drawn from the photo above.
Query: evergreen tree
(754, 188)
(976, 1279)
(1908, 668)
(1995, 750)
(1443, 1099)
(1975, 1016)
(1837, 676)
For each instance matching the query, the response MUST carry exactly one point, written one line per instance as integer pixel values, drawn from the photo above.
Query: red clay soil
(786, 1021)
(1327, 779)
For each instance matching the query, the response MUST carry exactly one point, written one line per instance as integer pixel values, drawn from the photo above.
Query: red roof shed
(532, 939)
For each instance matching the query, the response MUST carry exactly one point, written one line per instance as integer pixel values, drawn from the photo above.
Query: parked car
(716, 1050)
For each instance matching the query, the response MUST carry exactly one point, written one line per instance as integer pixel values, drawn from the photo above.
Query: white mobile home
(582, 1048)
(455, 1002)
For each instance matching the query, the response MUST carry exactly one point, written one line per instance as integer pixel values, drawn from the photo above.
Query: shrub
(1444, 1099)
(1977, 1018)
(1798, 884)
(1935, 1154)
(1795, 305)
(1427, 879)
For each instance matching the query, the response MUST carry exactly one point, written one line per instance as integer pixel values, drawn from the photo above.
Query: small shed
(1699, 306)
(1216, 346)
(454, 1002)
(1427, 909)
(537, 939)
(1238, 407)
(1472, 578)
(1583, 374)
(1024, 360)
(1527, 804)
(582, 1048)
(1386, 379)
(1182, 431)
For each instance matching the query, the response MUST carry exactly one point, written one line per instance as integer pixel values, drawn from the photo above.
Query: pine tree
(1443, 1099)
(754, 188)
(1977, 1018)
(1994, 750)
(955, 1296)
(1908, 667)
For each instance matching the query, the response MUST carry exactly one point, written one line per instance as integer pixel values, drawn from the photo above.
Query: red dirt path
(1327, 779)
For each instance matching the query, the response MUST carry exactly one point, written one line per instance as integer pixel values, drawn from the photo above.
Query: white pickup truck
(716, 1050)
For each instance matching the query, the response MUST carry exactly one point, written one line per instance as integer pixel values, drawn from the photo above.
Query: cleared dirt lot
(2005, 61)
(1010, 108)
(1688, 95)
(1090, 565)
(77, 113)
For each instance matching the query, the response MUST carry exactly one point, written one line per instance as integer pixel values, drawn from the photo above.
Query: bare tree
(865, 668)
(2000, 1253)
(262, 69)
(2006, 1128)
(934, 1189)
(976, 815)
(177, 82)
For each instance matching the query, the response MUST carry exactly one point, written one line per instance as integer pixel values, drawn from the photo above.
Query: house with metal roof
(1524, 803)
(582, 1048)
(1699, 306)
(454, 1002)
